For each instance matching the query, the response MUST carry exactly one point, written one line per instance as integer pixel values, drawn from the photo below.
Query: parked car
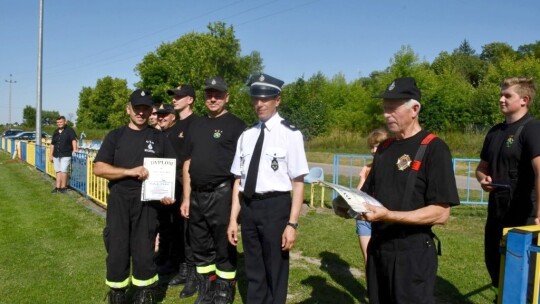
(28, 135)
(11, 132)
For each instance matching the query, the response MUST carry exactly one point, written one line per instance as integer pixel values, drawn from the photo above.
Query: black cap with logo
(402, 88)
(141, 97)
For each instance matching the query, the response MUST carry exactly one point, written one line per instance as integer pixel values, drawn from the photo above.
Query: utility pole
(39, 76)
(11, 81)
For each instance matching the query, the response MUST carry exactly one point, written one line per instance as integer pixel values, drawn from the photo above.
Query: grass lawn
(51, 251)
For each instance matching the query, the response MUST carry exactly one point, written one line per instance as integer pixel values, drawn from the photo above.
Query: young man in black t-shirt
(509, 169)
(130, 231)
(416, 194)
(209, 151)
(183, 98)
(63, 144)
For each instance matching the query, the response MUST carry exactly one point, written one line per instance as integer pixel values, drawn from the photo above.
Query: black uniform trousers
(402, 269)
(209, 214)
(129, 237)
(267, 265)
(173, 242)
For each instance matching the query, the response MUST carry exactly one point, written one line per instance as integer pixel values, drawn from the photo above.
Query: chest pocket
(243, 157)
(273, 154)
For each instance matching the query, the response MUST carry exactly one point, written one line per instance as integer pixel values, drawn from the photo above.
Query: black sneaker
(62, 190)
(55, 190)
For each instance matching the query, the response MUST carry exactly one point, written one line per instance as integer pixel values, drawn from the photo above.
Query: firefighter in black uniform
(509, 169)
(130, 230)
(168, 255)
(183, 97)
(270, 161)
(402, 256)
(207, 180)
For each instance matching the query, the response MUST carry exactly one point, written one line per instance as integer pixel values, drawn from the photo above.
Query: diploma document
(356, 199)
(161, 178)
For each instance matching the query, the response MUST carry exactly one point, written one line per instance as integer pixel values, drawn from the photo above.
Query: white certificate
(161, 178)
(356, 199)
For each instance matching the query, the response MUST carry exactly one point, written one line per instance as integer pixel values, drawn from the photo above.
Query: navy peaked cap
(263, 85)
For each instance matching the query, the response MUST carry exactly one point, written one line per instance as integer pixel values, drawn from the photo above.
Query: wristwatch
(294, 225)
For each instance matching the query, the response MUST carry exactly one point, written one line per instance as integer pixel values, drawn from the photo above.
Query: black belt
(210, 187)
(262, 196)
(391, 234)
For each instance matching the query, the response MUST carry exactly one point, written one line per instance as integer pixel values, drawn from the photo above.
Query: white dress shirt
(283, 146)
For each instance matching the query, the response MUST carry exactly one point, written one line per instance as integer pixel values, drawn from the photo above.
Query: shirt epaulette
(289, 125)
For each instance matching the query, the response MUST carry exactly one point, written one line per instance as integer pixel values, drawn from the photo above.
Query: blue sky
(87, 40)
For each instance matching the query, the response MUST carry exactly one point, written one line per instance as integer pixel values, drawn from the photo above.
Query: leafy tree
(526, 67)
(193, 58)
(29, 116)
(103, 107)
(532, 49)
(303, 107)
(495, 51)
(466, 63)
(446, 103)
(48, 118)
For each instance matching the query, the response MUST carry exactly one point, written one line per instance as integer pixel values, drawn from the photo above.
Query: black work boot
(192, 283)
(181, 277)
(117, 296)
(145, 295)
(225, 290)
(206, 288)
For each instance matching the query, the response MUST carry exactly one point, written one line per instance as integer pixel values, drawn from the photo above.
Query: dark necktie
(253, 170)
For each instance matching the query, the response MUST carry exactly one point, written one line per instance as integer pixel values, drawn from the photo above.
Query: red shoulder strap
(417, 163)
(385, 144)
(428, 139)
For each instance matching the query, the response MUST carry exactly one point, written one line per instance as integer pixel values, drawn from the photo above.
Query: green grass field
(51, 251)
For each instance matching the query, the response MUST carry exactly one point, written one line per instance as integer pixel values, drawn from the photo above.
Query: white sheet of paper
(356, 199)
(161, 178)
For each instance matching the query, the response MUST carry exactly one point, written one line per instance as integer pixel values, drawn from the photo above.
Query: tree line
(460, 89)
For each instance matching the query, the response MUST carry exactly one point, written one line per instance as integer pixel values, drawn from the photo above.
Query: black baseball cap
(263, 85)
(215, 83)
(402, 88)
(166, 109)
(182, 91)
(141, 97)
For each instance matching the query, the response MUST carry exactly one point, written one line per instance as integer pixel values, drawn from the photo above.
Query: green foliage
(48, 118)
(493, 52)
(103, 107)
(460, 89)
(193, 58)
(532, 49)
(303, 106)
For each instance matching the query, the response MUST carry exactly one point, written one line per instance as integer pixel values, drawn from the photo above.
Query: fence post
(516, 270)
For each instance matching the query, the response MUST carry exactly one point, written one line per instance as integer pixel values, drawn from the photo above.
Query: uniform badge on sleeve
(403, 162)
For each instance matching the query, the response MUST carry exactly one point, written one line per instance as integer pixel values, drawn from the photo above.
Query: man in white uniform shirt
(262, 193)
